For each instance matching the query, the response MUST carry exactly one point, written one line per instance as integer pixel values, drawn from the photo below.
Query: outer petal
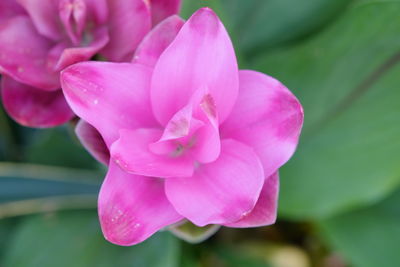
(157, 41)
(265, 211)
(109, 96)
(23, 52)
(44, 14)
(162, 9)
(200, 56)
(9, 9)
(33, 107)
(92, 141)
(132, 153)
(132, 208)
(220, 192)
(129, 21)
(267, 117)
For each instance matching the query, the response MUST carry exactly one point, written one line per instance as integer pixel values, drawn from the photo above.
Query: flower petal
(44, 14)
(92, 141)
(9, 9)
(97, 11)
(109, 96)
(132, 153)
(23, 52)
(33, 107)
(129, 21)
(267, 117)
(265, 211)
(220, 192)
(157, 41)
(73, 55)
(132, 208)
(200, 56)
(161, 9)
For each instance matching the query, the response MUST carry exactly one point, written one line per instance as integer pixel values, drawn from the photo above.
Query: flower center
(73, 16)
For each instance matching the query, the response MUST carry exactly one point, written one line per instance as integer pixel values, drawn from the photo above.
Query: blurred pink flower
(190, 135)
(38, 38)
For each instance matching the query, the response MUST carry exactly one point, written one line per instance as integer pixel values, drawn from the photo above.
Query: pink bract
(39, 38)
(190, 135)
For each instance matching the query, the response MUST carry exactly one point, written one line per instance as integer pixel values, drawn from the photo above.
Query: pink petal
(157, 41)
(162, 9)
(97, 11)
(73, 55)
(23, 52)
(72, 14)
(200, 56)
(44, 14)
(267, 117)
(9, 9)
(220, 192)
(132, 208)
(132, 153)
(265, 211)
(109, 96)
(33, 107)
(208, 145)
(129, 21)
(92, 141)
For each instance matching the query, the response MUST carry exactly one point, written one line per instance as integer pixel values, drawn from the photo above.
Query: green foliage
(347, 80)
(74, 239)
(64, 148)
(27, 188)
(368, 237)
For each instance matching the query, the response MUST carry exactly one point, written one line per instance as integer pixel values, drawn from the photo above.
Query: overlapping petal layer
(221, 192)
(109, 96)
(266, 208)
(200, 56)
(267, 117)
(132, 154)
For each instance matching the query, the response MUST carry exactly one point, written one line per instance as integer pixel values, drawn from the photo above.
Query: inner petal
(73, 16)
(193, 131)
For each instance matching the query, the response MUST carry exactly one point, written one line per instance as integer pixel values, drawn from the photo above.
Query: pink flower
(190, 135)
(39, 38)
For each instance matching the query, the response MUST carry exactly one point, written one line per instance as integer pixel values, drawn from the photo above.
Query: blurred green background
(340, 193)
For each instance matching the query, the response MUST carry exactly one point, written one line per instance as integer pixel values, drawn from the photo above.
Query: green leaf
(262, 24)
(74, 239)
(347, 80)
(27, 188)
(369, 237)
(257, 25)
(58, 147)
